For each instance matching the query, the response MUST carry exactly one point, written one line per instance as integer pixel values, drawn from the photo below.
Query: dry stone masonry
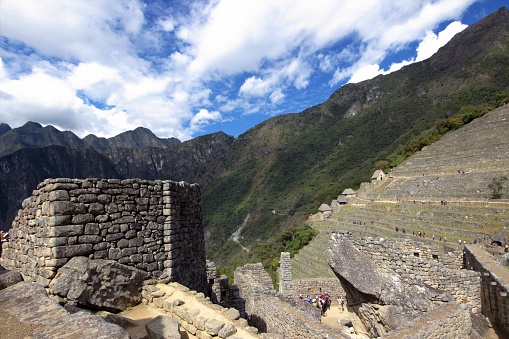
(155, 226)
(291, 288)
(270, 312)
(196, 314)
(418, 263)
(494, 284)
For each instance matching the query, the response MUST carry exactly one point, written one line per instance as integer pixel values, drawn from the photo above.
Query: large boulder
(382, 300)
(9, 278)
(163, 327)
(100, 284)
(26, 311)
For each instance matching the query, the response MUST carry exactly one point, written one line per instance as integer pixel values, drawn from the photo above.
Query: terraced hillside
(426, 198)
(480, 150)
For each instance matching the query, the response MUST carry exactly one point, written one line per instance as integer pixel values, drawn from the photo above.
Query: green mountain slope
(278, 172)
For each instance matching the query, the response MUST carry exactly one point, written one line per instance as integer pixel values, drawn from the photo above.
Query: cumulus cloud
(106, 66)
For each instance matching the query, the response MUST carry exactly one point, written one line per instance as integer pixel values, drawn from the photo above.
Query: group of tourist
(322, 302)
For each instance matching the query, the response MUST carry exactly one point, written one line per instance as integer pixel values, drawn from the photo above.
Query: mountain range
(269, 179)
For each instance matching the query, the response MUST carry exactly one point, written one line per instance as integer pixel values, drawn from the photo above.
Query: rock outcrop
(9, 278)
(100, 284)
(382, 301)
(26, 311)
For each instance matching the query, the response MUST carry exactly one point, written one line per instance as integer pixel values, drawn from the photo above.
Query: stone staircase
(426, 194)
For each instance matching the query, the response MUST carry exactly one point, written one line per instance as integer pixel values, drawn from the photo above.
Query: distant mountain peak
(4, 128)
(31, 125)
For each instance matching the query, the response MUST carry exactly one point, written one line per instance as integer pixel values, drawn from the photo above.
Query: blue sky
(188, 68)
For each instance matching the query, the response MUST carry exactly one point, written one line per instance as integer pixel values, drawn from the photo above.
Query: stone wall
(155, 226)
(291, 288)
(494, 284)
(447, 322)
(271, 312)
(196, 314)
(415, 262)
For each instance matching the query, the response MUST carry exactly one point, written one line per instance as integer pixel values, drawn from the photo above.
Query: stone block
(114, 253)
(63, 231)
(162, 327)
(91, 228)
(135, 258)
(114, 237)
(104, 198)
(227, 331)
(232, 314)
(58, 195)
(96, 208)
(102, 254)
(152, 267)
(148, 258)
(131, 234)
(65, 208)
(123, 243)
(55, 262)
(213, 326)
(101, 246)
(200, 321)
(189, 328)
(124, 261)
(56, 220)
(83, 218)
(129, 251)
(70, 251)
(125, 219)
(87, 198)
(158, 302)
(89, 239)
(136, 242)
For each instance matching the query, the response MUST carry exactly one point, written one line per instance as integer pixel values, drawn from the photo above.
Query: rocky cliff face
(189, 161)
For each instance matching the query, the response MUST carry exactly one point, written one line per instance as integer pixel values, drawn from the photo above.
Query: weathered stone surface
(232, 314)
(162, 327)
(9, 278)
(381, 300)
(213, 326)
(102, 284)
(70, 251)
(29, 304)
(119, 320)
(227, 331)
(83, 325)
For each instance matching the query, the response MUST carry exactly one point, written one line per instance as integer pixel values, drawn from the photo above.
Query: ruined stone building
(155, 226)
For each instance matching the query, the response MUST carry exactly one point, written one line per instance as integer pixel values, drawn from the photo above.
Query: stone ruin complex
(399, 288)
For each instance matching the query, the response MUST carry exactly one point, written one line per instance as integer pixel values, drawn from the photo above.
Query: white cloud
(432, 42)
(202, 118)
(255, 87)
(427, 47)
(102, 67)
(277, 96)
